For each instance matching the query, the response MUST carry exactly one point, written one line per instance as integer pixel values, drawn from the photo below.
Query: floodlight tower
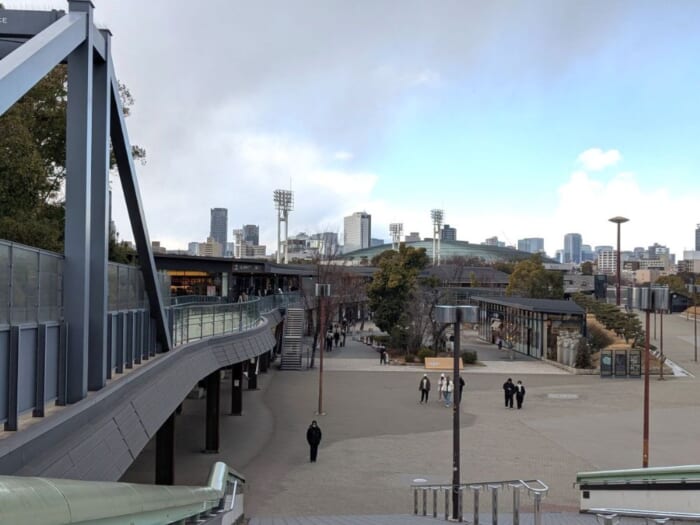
(396, 230)
(284, 203)
(437, 216)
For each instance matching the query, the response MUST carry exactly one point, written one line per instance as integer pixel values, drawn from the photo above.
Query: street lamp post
(322, 291)
(618, 220)
(456, 315)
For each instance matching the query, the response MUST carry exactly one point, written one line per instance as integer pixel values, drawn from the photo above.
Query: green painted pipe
(44, 501)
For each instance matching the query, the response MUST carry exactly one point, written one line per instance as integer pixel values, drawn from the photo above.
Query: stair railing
(534, 488)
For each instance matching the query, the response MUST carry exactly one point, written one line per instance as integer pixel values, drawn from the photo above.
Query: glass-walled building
(530, 326)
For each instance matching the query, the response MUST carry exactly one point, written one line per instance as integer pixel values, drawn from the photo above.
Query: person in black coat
(520, 394)
(424, 387)
(509, 391)
(313, 436)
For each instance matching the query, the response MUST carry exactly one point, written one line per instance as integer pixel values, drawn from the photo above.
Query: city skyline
(519, 120)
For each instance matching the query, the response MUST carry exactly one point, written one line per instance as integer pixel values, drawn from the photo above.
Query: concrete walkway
(377, 438)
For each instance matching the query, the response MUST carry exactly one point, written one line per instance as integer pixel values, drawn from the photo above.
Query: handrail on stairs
(534, 487)
(46, 501)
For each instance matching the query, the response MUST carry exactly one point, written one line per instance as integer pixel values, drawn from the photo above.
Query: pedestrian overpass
(94, 358)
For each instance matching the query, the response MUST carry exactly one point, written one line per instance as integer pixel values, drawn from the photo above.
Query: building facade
(572, 248)
(412, 237)
(697, 238)
(448, 233)
(219, 226)
(357, 233)
(531, 245)
(251, 234)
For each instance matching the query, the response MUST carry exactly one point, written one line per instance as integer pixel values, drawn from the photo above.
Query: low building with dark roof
(541, 328)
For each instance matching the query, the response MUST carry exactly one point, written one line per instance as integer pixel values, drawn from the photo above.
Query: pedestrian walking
(509, 391)
(441, 387)
(519, 394)
(343, 333)
(329, 340)
(336, 336)
(447, 394)
(424, 388)
(382, 356)
(313, 436)
(500, 343)
(461, 388)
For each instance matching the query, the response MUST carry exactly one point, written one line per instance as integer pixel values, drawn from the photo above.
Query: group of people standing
(336, 334)
(512, 390)
(445, 389)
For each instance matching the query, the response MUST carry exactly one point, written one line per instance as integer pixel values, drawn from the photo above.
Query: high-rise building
(251, 234)
(448, 233)
(412, 237)
(697, 238)
(211, 248)
(357, 232)
(587, 254)
(219, 226)
(572, 248)
(193, 248)
(326, 243)
(531, 245)
(493, 241)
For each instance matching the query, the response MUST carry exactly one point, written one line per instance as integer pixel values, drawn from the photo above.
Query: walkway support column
(264, 362)
(237, 389)
(76, 285)
(213, 382)
(165, 452)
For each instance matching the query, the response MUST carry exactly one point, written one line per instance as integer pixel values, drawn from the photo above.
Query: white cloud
(595, 159)
(342, 155)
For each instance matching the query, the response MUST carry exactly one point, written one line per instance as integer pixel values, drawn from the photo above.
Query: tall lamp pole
(618, 220)
(456, 315)
(695, 320)
(322, 291)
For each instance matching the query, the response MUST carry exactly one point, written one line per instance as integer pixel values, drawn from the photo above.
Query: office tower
(572, 248)
(448, 233)
(219, 226)
(326, 243)
(211, 248)
(587, 253)
(357, 232)
(251, 234)
(697, 237)
(412, 237)
(193, 248)
(238, 242)
(531, 245)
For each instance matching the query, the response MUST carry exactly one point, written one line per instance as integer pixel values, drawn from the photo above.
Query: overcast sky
(519, 119)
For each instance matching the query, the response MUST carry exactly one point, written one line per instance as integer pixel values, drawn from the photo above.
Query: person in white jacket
(447, 392)
(441, 387)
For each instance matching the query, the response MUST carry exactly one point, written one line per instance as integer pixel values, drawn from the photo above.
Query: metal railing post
(476, 489)
(425, 501)
(460, 514)
(447, 503)
(415, 501)
(435, 498)
(538, 500)
(494, 503)
(516, 504)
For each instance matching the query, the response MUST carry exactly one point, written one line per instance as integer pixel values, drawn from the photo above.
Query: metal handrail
(649, 514)
(44, 501)
(535, 487)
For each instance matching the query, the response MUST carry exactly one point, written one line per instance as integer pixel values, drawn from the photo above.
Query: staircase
(291, 339)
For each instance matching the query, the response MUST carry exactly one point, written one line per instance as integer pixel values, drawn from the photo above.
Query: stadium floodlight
(284, 203)
(396, 230)
(437, 216)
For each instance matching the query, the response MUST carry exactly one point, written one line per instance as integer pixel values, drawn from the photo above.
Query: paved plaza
(378, 438)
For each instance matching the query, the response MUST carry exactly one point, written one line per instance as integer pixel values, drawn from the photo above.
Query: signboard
(621, 363)
(605, 363)
(441, 363)
(635, 363)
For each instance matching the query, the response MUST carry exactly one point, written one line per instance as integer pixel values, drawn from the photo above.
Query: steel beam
(99, 232)
(29, 63)
(127, 175)
(76, 287)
